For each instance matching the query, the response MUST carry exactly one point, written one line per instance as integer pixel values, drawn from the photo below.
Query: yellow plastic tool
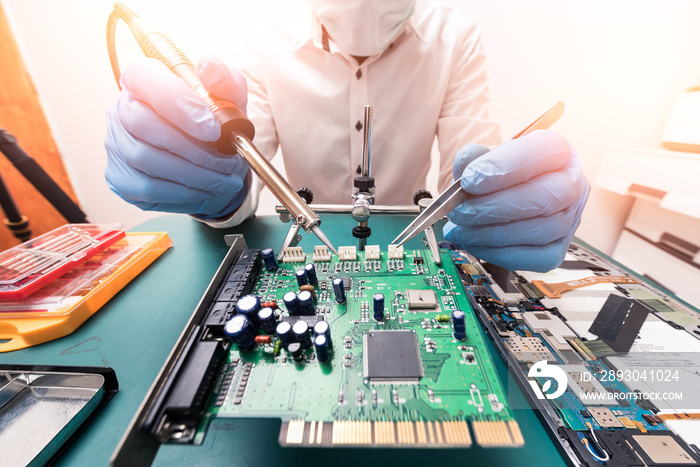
(60, 307)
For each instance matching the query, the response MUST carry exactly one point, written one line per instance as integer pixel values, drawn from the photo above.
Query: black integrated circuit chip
(392, 356)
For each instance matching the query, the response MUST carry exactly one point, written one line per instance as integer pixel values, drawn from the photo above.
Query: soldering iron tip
(317, 231)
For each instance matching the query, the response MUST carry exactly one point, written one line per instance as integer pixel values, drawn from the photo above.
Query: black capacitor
(339, 290)
(302, 334)
(296, 351)
(322, 328)
(240, 330)
(249, 305)
(323, 353)
(292, 303)
(270, 261)
(311, 274)
(459, 327)
(284, 332)
(267, 319)
(378, 300)
(302, 278)
(306, 303)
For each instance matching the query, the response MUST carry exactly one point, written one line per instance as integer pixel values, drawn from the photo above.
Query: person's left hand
(526, 200)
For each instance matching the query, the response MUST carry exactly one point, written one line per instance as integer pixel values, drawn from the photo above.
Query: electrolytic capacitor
(240, 330)
(284, 332)
(323, 353)
(301, 334)
(458, 325)
(306, 303)
(311, 274)
(292, 303)
(378, 300)
(302, 278)
(339, 290)
(270, 261)
(296, 351)
(267, 319)
(322, 328)
(249, 305)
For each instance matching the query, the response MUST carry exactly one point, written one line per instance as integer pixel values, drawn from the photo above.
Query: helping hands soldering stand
(363, 203)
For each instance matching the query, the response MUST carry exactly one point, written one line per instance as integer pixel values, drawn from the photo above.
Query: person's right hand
(160, 135)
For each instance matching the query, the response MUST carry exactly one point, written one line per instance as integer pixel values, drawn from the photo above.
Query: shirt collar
(311, 30)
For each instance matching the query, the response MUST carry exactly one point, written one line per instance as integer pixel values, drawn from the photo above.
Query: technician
(309, 72)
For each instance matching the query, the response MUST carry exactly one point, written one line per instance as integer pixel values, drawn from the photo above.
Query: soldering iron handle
(156, 45)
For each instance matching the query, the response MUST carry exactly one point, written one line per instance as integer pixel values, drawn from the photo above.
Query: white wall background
(618, 65)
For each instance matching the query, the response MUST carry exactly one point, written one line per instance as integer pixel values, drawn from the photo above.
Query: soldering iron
(237, 130)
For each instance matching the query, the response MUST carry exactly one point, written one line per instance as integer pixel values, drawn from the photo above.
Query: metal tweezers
(454, 195)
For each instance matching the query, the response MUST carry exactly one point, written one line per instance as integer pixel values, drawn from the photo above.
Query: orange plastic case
(60, 307)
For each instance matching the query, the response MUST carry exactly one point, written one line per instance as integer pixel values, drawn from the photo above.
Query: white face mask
(363, 27)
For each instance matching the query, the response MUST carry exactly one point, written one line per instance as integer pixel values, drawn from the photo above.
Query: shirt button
(358, 125)
(359, 74)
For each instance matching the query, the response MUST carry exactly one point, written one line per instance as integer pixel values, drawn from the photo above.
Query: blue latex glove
(526, 203)
(160, 138)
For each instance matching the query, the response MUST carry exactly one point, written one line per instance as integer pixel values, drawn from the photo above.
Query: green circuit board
(446, 385)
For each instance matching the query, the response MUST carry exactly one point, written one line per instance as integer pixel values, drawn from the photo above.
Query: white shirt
(308, 97)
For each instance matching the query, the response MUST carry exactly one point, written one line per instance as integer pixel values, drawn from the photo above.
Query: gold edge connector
(497, 434)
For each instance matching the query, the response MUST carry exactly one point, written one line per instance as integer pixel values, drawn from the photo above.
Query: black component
(503, 277)
(479, 291)
(311, 320)
(347, 283)
(630, 447)
(644, 403)
(585, 413)
(364, 184)
(219, 314)
(619, 321)
(579, 264)
(528, 289)
(297, 352)
(421, 194)
(466, 277)
(527, 305)
(188, 396)
(392, 356)
(418, 259)
(232, 291)
(306, 194)
(501, 326)
(361, 232)
(555, 311)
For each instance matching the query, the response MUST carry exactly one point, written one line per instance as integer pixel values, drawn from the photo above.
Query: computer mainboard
(385, 348)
